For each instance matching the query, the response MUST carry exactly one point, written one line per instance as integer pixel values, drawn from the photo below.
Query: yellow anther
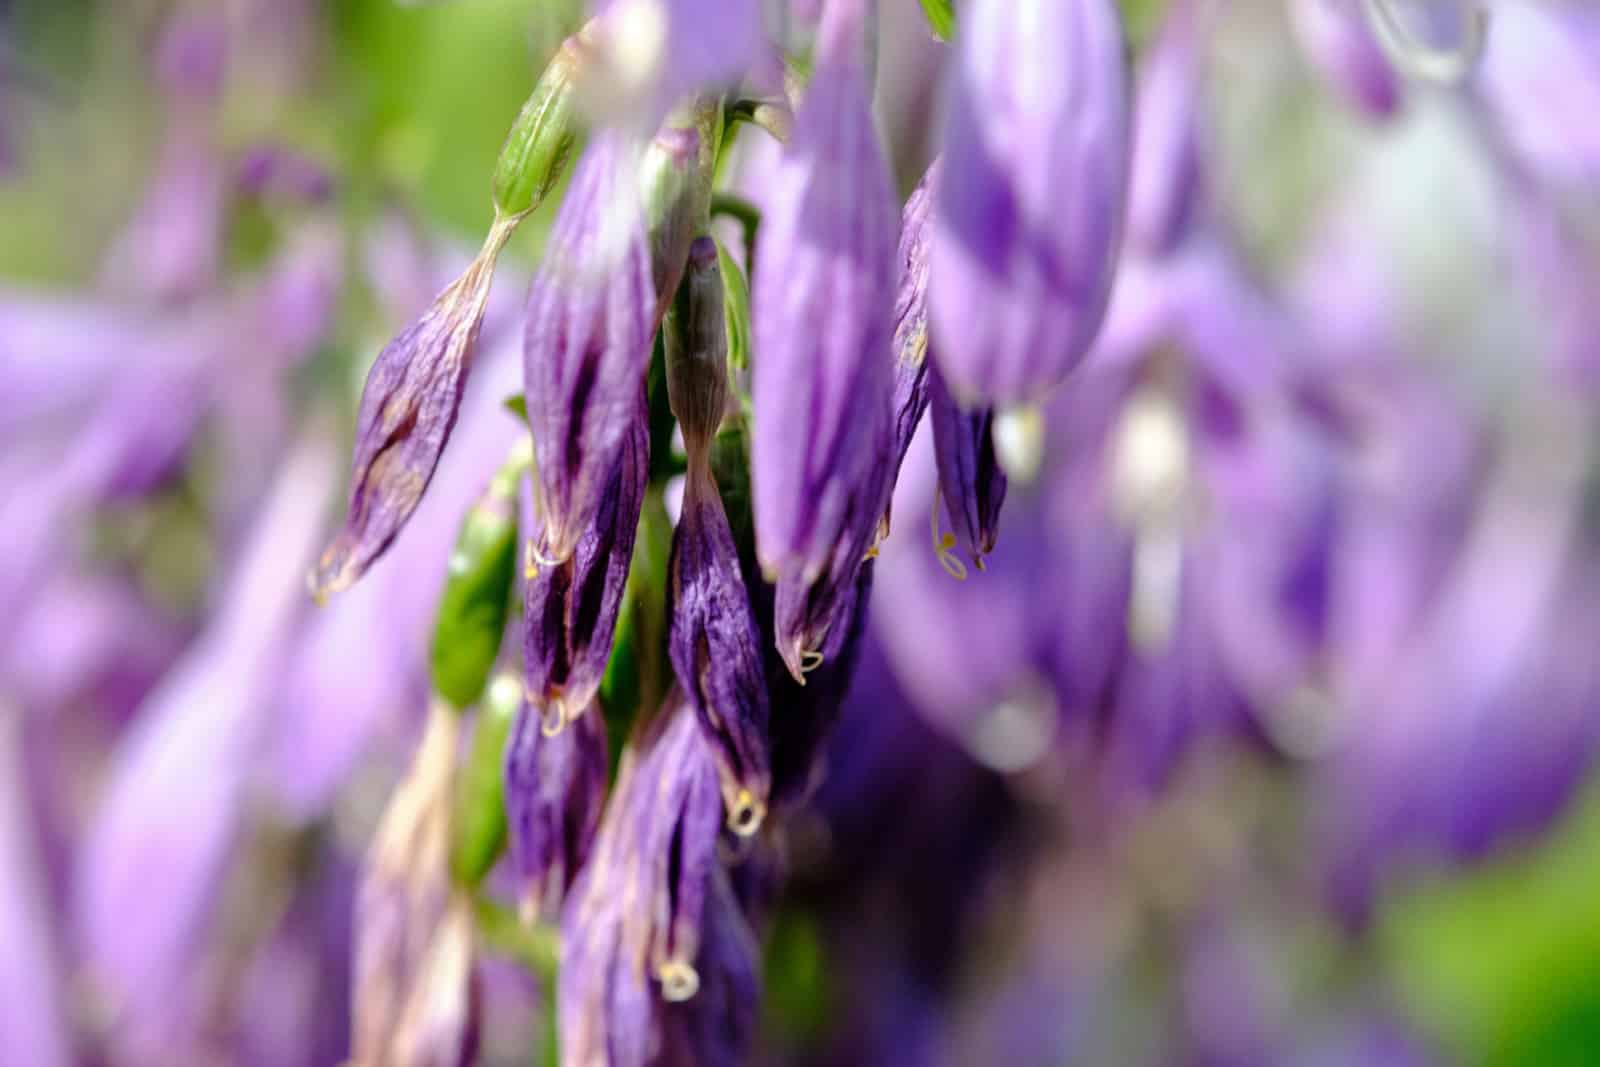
(746, 814)
(679, 981)
(810, 661)
(943, 544)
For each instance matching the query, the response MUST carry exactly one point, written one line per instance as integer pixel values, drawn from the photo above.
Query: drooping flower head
(823, 369)
(1029, 209)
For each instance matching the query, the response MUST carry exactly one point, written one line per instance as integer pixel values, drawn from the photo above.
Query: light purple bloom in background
(171, 809)
(32, 992)
(555, 787)
(1029, 209)
(587, 345)
(1164, 191)
(823, 369)
(1540, 80)
(1336, 37)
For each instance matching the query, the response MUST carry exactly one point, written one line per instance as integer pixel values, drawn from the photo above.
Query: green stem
(749, 218)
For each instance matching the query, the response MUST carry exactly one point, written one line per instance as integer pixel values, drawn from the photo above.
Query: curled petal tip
(746, 814)
(679, 981)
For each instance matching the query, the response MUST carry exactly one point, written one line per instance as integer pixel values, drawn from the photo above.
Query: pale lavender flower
(1539, 79)
(1029, 209)
(587, 345)
(823, 369)
(1339, 41)
(171, 808)
(32, 993)
(555, 786)
(1164, 187)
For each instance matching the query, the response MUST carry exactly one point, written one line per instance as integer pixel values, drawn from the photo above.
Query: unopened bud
(696, 338)
(541, 140)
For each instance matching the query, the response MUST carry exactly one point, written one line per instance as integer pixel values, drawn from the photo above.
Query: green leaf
(941, 17)
(517, 404)
(736, 311)
(478, 821)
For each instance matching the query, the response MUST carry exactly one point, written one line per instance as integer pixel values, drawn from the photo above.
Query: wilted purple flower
(590, 324)
(412, 996)
(823, 371)
(408, 408)
(570, 608)
(911, 337)
(631, 930)
(717, 1027)
(555, 786)
(970, 479)
(714, 641)
(1029, 209)
(1339, 41)
(716, 649)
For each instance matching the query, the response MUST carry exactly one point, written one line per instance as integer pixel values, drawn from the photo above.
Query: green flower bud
(941, 17)
(696, 336)
(478, 824)
(541, 140)
(477, 593)
(675, 179)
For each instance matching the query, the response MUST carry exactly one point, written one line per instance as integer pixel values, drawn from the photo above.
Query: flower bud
(715, 647)
(1031, 200)
(587, 346)
(570, 611)
(540, 140)
(408, 409)
(675, 178)
(471, 617)
(970, 478)
(823, 372)
(554, 788)
(695, 334)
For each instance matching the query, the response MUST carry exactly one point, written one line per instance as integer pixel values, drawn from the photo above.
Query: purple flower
(587, 345)
(970, 478)
(911, 337)
(717, 1028)
(408, 409)
(1340, 43)
(570, 608)
(1540, 71)
(631, 932)
(1030, 203)
(715, 647)
(1164, 185)
(648, 54)
(555, 786)
(823, 370)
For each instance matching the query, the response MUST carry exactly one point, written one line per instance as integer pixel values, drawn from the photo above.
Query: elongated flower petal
(911, 338)
(587, 345)
(823, 370)
(970, 479)
(555, 785)
(717, 1027)
(1339, 42)
(1030, 204)
(570, 611)
(408, 409)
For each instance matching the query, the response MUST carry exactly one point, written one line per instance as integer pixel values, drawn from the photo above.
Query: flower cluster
(794, 540)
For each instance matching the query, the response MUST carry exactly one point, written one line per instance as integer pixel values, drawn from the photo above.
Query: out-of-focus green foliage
(1504, 963)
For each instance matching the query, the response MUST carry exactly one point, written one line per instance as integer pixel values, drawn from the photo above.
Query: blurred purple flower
(1029, 209)
(911, 337)
(1337, 38)
(970, 479)
(823, 370)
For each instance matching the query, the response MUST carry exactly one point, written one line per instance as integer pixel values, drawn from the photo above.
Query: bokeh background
(1264, 739)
